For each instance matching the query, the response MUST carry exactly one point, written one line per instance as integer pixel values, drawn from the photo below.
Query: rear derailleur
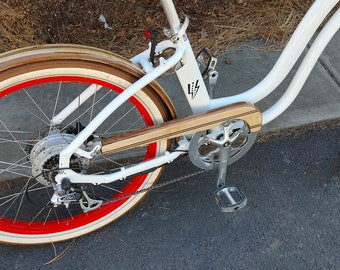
(67, 194)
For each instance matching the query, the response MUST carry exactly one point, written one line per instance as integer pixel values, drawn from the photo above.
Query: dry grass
(216, 24)
(13, 32)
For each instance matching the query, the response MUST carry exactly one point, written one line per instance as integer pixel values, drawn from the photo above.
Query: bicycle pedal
(230, 199)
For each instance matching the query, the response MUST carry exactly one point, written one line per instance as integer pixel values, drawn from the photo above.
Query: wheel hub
(44, 156)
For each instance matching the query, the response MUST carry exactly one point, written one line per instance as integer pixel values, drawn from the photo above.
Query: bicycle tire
(47, 78)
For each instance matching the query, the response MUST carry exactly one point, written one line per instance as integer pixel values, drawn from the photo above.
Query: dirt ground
(216, 24)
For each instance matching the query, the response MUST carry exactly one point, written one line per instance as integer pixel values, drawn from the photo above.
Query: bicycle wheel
(35, 85)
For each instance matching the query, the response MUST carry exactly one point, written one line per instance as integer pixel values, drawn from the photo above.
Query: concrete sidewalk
(318, 100)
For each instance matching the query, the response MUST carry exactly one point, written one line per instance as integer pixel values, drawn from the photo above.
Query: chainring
(204, 153)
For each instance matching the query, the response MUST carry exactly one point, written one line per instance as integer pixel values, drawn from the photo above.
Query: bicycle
(97, 129)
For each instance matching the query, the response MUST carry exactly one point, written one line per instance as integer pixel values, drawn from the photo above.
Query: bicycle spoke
(110, 188)
(120, 119)
(15, 197)
(134, 124)
(41, 210)
(24, 108)
(15, 140)
(10, 197)
(70, 94)
(81, 114)
(25, 142)
(48, 215)
(19, 208)
(37, 106)
(70, 214)
(56, 101)
(13, 165)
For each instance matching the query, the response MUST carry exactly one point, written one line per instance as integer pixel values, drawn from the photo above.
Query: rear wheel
(35, 85)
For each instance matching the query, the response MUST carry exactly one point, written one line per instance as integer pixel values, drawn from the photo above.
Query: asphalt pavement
(291, 220)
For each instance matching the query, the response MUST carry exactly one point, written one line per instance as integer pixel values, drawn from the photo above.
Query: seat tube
(171, 15)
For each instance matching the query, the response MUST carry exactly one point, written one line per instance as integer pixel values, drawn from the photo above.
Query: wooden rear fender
(40, 57)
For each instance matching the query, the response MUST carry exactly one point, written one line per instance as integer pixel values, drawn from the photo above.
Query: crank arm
(229, 199)
(184, 126)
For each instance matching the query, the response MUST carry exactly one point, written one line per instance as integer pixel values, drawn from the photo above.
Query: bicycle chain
(166, 183)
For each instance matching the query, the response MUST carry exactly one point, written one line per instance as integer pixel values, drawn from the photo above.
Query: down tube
(304, 70)
(300, 38)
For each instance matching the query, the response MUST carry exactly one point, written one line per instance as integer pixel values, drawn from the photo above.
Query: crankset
(219, 148)
(204, 151)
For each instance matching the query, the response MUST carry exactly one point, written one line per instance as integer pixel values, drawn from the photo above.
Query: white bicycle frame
(194, 88)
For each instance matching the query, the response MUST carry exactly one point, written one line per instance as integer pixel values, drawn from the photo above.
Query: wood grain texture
(183, 126)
